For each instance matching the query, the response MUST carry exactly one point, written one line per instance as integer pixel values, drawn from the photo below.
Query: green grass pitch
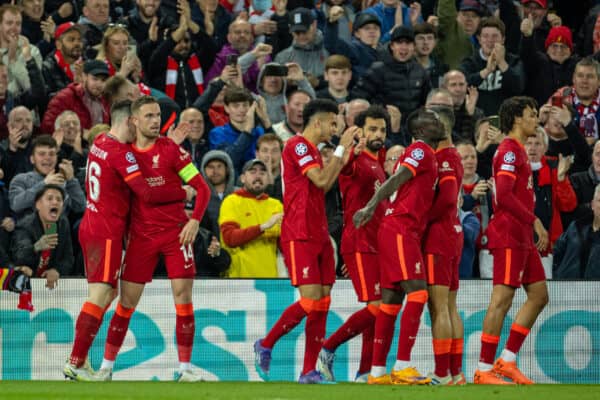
(25, 390)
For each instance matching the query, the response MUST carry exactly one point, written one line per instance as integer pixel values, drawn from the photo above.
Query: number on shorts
(188, 252)
(93, 174)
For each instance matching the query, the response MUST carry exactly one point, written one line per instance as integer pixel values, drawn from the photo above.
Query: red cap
(542, 3)
(560, 34)
(64, 28)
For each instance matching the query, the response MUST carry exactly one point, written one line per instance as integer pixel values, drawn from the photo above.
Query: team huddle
(402, 238)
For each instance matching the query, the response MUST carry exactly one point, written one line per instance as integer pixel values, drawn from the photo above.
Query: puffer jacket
(71, 98)
(577, 252)
(403, 84)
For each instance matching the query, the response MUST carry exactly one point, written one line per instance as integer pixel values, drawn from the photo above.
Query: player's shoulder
(418, 151)
(509, 151)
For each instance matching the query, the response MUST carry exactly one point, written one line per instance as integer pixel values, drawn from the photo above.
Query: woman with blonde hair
(116, 52)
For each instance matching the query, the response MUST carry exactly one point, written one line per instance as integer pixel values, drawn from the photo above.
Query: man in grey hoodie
(218, 172)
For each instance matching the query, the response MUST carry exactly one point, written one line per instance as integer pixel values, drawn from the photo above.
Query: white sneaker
(442, 381)
(361, 378)
(187, 375)
(103, 375)
(81, 374)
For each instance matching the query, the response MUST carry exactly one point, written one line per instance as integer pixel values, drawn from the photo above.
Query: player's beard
(375, 145)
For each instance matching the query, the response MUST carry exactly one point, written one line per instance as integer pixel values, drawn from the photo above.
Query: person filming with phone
(46, 170)
(42, 240)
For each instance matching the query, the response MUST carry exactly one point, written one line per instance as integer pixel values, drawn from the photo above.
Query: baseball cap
(471, 5)
(95, 67)
(541, 3)
(300, 19)
(64, 28)
(402, 32)
(364, 19)
(252, 163)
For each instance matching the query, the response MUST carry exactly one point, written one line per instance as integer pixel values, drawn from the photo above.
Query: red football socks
(384, 330)
(290, 317)
(117, 331)
(314, 330)
(456, 355)
(353, 326)
(441, 354)
(86, 328)
(489, 345)
(517, 336)
(409, 323)
(185, 329)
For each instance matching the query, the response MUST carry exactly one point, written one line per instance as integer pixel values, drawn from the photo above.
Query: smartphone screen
(495, 121)
(51, 228)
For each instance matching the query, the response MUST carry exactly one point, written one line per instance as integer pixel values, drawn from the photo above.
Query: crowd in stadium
(239, 73)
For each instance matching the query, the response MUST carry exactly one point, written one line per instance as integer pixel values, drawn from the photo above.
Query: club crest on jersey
(509, 157)
(155, 160)
(417, 154)
(130, 157)
(301, 149)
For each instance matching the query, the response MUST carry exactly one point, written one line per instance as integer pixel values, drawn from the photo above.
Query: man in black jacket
(59, 67)
(398, 79)
(42, 240)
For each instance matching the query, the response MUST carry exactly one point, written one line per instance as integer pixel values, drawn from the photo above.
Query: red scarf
(588, 125)
(111, 68)
(144, 90)
(66, 68)
(596, 34)
(217, 115)
(173, 69)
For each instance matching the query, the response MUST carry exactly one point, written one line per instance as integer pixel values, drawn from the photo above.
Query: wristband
(339, 151)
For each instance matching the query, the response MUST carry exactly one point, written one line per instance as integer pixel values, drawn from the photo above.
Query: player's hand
(362, 216)
(542, 234)
(275, 219)
(189, 232)
(190, 193)
(348, 136)
(51, 276)
(179, 134)
(46, 242)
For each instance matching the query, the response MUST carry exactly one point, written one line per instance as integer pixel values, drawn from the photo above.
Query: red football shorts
(102, 258)
(515, 267)
(363, 269)
(400, 257)
(442, 270)
(309, 262)
(143, 252)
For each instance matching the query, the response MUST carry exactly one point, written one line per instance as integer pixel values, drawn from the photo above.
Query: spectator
(85, 99)
(338, 74)
(398, 79)
(240, 49)
(293, 123)
(114, 50)
(23, 59)
(333, 205)
(425, 44)
(238, 137)
(69, 139)
(250, 223)
(307, 49)
(394, 13)
(139, 21)
(553, 191)
(211, 260)
(42, 240)
(487, 137)
(38, 27)
(178, 63)
(471, 228)
(353, 108)
(363, 48)
(457, 30)
(25, 186)
(94, 22)
(497, 74)
(18, 144)
(464, 98)
(213, 19)
(541, 22)
(268, 149)
(550, 69)
(271, 26)
(341, 13)
(584, 183)
(63, 66)
(584, 96)
(219, 174)
(195, 143)
(274, 81)
(577, 250)
(391, 158)
(6, 101)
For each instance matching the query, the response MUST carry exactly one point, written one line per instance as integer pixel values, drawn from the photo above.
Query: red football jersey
(411, 203)
(110, 164)
(444, 233)
(160, 164)
(511, 224)
(359, 180)
(304, 215)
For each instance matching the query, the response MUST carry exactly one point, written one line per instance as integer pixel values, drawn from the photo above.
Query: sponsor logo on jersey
(155, 181)
(506, 167)
(446, 167)
(305, 160)
(412, 162)
(301, 149)
(509, 157)
(130, 157)
(417, 154)
(132, 168)
(155, 160)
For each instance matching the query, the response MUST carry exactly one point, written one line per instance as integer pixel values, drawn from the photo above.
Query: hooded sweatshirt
(211, 216)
